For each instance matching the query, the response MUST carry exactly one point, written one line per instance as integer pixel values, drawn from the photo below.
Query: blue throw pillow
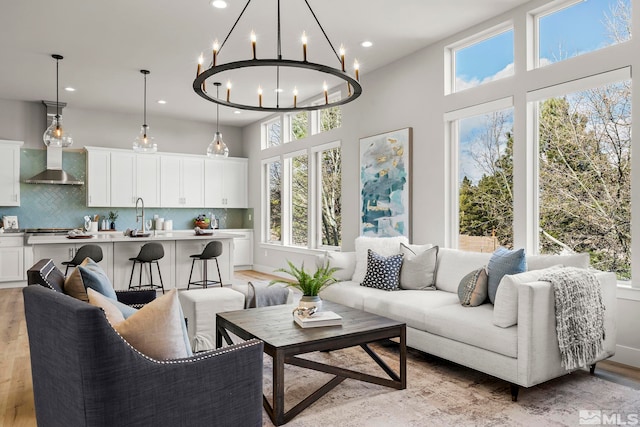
(504, 261)
(382, 272)
(125, 309)
(94, 277)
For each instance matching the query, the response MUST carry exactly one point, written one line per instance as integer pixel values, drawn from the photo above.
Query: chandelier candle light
(54, 135)
(353, 84)
(144, 143)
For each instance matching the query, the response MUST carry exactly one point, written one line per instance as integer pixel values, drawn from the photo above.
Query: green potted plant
(310, 285)
(113, 215)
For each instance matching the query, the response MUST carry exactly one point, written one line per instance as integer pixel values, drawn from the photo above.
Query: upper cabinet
(116, 178)
(10, 173)
(226, 183)
(181, 181)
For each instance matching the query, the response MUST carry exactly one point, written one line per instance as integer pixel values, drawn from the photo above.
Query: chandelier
(283, 102)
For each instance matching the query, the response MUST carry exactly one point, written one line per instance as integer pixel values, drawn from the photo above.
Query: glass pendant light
(143, 142)
(55, 136)
(217, 148)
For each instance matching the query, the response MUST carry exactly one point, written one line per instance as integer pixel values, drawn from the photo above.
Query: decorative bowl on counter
(202, 224)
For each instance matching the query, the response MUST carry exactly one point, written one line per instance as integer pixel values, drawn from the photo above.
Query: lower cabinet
(186, 248)
(65, 252)
(122, 266)
(243, 252)
(12, 266)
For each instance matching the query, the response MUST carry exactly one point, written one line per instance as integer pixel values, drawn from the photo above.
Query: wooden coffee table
(284, 340)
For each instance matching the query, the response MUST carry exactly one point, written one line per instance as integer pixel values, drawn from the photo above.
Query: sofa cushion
(454, 264)
(348, 293)
(418, 267)
(74, 286)
(538, 262)
(504, 261)
(505, 307)
(383, 272)
(93, 276)
(384, 246)
(409, 306)
(473, 288)
(157, 329)
(473, 326)
(345, 261)
(114, 315)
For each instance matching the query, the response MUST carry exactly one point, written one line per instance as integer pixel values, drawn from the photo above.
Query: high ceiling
(105, 44)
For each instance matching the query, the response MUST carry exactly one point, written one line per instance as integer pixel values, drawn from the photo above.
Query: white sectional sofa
(524, 354)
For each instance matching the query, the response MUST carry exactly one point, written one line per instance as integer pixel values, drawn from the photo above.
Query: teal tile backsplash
(64, 206)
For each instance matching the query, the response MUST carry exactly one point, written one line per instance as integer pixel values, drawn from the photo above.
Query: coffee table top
(275, 325)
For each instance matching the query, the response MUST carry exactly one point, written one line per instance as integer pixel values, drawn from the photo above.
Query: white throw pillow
(345, 261)
(505, 307)
(113, 313)
(385, 246)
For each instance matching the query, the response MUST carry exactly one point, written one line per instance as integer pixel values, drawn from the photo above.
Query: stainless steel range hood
(54, 173)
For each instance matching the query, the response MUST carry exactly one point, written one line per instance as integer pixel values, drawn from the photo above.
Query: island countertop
(118, 236)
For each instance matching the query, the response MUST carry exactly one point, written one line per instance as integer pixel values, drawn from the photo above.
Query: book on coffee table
(321, 318)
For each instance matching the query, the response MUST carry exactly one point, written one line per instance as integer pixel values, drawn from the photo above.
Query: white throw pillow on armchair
(345, 261)
(385, 246)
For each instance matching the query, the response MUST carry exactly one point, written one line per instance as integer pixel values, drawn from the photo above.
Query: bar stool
(212, 251)
(150, 253)
(86, 251)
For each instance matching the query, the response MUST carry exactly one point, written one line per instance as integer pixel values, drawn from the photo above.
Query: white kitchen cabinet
(185, 248)
(122, 251)
(10, 173)
(226, 183)
(98, 178)
(243, 252)
(65, 252)
(12, 259)
(182, 181)
(132, 176)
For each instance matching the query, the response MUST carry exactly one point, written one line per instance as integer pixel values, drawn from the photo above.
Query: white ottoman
(200, 307)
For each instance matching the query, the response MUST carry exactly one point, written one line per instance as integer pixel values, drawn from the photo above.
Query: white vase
(310, 301)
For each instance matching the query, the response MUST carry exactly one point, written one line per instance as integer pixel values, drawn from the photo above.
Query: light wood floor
(16, 394)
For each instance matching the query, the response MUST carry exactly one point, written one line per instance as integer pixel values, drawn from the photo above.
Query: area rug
(441, 393)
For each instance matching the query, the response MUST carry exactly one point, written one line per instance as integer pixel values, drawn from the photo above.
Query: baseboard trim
(627, 356)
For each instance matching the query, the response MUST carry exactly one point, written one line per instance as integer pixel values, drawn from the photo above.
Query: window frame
(264, 132)
(317, 187)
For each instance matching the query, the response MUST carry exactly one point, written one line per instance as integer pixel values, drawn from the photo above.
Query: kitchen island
(117, 249)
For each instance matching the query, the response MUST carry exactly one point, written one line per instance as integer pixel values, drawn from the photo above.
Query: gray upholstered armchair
(86, 374)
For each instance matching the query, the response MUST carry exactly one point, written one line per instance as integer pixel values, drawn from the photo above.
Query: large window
(272, 133)
(482, 59)
(584, 173)
(576, 28)
(485, 177)
(273, 188)
(299, 196)
(330, 183)
(327, 118)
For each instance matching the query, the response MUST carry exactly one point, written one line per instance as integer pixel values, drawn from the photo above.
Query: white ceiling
(105, 44)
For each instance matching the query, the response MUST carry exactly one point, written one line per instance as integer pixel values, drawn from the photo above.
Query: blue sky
(576, 29)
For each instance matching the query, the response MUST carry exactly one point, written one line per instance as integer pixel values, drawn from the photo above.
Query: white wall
(410, 93)
(26, 121)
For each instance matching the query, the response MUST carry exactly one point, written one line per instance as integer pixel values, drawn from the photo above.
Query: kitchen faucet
(140, 216)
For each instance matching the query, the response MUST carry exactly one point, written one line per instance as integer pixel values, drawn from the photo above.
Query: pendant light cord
(217, 108)
(145, 103)
(57, 93)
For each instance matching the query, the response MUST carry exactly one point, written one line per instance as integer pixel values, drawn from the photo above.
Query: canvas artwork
(385, 185)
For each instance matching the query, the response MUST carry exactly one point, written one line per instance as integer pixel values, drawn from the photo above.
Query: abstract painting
(385, 184)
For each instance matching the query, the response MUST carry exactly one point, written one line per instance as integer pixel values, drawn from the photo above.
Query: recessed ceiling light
(218, 4)
(237, 112)
(161, 101)
(366, 43)
(69, 89)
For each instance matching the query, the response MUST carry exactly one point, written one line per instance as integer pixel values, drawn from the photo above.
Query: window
(272, 133)
(584, 172)
(298, 125)
(484, 145)
(330, 183)
(299, 212)
(273, 191)
(482, 59)
(580, 27)
(304, 198)
(327, 118)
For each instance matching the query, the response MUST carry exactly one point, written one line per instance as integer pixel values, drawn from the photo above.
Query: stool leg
(205, 282)
(159, 275)
(193, 261)
(151, 276)
(219, 275)
(66, 270)
(133, 267)
(140, 276)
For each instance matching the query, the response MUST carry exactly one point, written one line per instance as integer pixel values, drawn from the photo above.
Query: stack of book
(321, 318)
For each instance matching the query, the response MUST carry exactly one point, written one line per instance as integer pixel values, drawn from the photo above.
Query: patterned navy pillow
(382, 272)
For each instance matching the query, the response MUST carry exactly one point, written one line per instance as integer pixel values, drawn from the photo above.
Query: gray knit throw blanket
(579, 315)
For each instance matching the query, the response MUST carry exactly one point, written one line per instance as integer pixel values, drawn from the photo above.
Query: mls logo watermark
(610, 418)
